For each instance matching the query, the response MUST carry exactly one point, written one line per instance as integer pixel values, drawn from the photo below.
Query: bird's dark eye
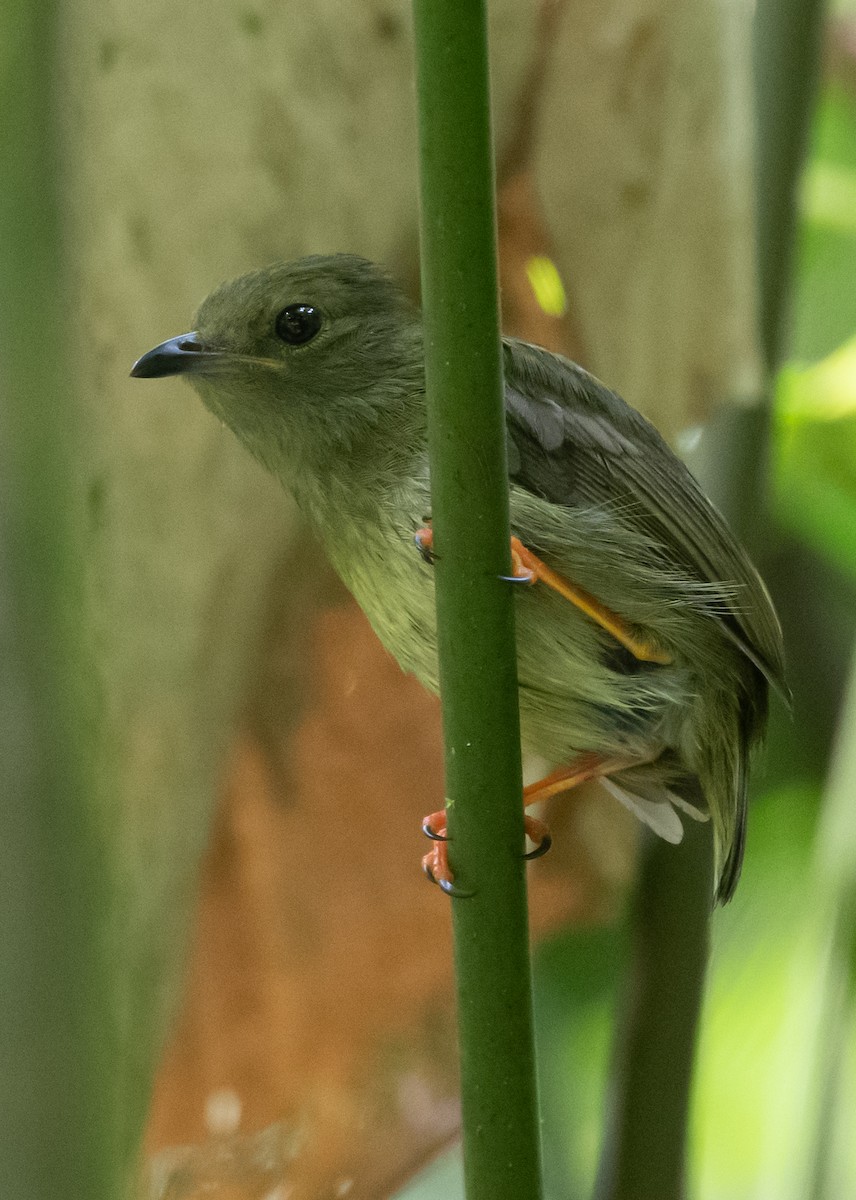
(298, 324)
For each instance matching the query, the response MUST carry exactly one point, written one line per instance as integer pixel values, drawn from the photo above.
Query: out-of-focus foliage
(824, 307)
(816, 402)
(816, 443)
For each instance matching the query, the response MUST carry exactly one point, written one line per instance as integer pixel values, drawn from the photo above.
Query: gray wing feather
(574, 442)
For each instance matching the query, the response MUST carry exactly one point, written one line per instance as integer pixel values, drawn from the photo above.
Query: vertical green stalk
(56, 1106)
(645, 1146)
(474, 606)
(786, 55)
(832, 963)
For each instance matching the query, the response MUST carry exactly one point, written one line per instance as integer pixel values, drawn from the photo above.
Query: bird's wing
(575, 443)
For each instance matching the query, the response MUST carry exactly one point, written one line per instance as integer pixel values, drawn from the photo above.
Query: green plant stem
(786, 54)
(56, 1101)
(645, 1156)
(832, 926)
(474, 606)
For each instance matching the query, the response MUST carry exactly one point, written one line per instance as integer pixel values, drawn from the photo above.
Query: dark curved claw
(447, 886)
(425, 551)
(430, 833)
(451, 889)
(541, 849)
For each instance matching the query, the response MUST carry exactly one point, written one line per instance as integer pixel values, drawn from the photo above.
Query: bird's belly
(395, 589)
(577, 694)
(571, 697)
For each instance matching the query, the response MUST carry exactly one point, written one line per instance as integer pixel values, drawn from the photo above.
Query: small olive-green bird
(647, 641)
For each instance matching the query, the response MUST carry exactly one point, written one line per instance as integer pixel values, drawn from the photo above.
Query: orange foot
(581, 769)
(435, 864)
(424, 539)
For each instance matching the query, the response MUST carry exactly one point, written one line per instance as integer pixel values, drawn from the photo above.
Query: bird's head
(302, 360)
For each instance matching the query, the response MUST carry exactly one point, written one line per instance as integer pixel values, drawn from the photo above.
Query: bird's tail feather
(656, 806)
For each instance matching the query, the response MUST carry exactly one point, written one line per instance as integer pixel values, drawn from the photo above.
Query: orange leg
(579, 770)
(528, 568)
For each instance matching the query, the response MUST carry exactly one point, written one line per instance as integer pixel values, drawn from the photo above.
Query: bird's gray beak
(175, 357)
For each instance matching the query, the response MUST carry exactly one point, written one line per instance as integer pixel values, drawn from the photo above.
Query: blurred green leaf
(741, 1076)
(824, 306)
(815, 473)
(815, 435)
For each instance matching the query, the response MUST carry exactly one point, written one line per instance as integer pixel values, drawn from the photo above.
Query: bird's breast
(381, 566)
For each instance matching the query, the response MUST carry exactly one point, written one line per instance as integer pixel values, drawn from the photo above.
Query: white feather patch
(685, 806)
(657, 814)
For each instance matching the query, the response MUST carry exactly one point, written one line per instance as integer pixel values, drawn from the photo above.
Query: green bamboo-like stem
(786, 54)
(56, 1102)
(645, 1156)
(474, 606)
(832, 936)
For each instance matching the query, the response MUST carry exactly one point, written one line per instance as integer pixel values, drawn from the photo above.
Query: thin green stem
(786, 55)
(832, 927)
(56, 1101)
(645, 1157)
(474, 606)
